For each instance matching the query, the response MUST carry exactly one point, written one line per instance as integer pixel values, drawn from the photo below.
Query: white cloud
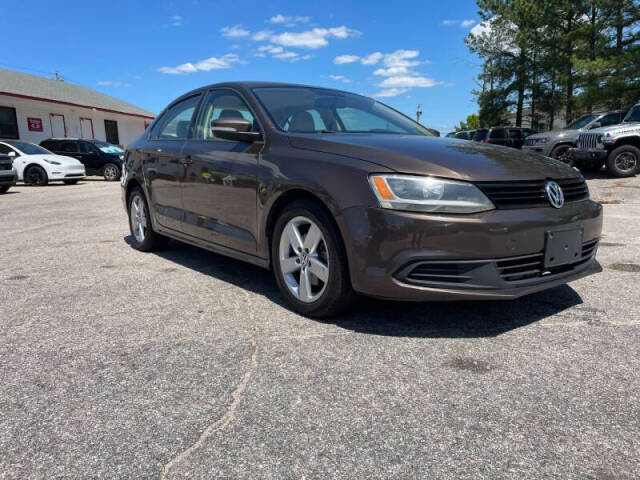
(113, 83)
(279, 19)
(371, 59)
(288, 20)
(280, 53)
(340, 78)
(314, 38)
(345, 59)
(462, 23)
(262, 35)
(211, 63)
(234, 31)
(391, 92)
(408, 82)
(176, 21)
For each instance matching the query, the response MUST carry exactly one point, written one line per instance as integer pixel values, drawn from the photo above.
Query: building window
(8, 123)
(111, 131)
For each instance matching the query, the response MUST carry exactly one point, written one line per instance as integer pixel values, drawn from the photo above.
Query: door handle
(186, 160)
(158, 149)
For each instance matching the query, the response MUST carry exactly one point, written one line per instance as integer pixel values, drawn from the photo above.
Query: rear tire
(317, 298)
(561, 153)
(143, 237)
(111, 172)
(36, 175)
(624, 161)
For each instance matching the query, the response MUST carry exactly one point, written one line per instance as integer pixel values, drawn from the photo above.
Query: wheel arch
(289, 196)
(33, 164)
(634, 141)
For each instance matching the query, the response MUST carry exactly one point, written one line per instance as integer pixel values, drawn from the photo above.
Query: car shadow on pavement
(467, 319)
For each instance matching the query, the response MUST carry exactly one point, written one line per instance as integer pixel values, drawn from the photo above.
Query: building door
(8, 123)
(58, 126)
(86, 128)
(111, 131)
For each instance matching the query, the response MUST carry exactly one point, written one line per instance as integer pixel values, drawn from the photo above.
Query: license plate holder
(562, 247)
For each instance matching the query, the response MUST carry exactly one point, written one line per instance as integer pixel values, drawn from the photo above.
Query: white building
(35, 108)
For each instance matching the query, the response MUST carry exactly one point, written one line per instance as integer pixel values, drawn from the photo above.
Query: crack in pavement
(225, 420)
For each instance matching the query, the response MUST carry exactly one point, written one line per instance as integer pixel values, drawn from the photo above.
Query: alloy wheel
(138, 218)
(34, 176)
(626, 162)
(304, 259)
(111, 172)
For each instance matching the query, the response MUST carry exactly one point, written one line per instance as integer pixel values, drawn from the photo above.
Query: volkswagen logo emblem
(554, 194)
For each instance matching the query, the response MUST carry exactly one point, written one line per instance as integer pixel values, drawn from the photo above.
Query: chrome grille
(510, 195)
(588, 141)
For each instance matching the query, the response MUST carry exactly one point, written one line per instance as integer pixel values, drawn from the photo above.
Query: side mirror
(12, 154)
(236, 129)
(595, 125)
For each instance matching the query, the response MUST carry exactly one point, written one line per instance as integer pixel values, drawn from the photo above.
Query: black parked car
(506, 136)
(98, 158)
(339, 193)
(8, 175)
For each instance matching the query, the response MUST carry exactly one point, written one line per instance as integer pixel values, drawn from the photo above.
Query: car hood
(619, 129)
(62, 160)
(438, 156)
(558, 134)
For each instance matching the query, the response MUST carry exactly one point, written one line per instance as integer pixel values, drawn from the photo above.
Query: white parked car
(38, 166)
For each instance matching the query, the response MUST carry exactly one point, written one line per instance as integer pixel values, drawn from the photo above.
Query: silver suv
(556, 144)
(617, 147)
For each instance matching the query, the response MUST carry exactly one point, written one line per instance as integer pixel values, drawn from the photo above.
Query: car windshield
(633, 115)
(29, 148)
(581, 122)
(108, 148)
(315, 110)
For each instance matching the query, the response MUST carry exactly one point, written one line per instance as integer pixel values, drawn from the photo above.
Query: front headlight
(52, 162)
(428, 194)
(543, 140)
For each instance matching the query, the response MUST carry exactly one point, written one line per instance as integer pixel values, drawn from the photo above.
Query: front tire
(624, 161)
(309, 261)
(111, 172)
(4, 189)
(144, 238)
(36, 175)
(561, 152)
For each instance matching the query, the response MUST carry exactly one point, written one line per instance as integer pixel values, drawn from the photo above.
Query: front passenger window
(223, 104)
(178, 119)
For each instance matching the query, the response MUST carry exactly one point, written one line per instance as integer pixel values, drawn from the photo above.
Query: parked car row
(68, 160)
(608, 138)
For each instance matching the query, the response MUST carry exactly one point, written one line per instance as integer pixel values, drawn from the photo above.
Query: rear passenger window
(176, 124)
(610, 119)
(498, 133)
(68, 147)
(515, 133)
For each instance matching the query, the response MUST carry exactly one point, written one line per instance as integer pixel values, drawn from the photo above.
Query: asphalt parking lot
(120, 364)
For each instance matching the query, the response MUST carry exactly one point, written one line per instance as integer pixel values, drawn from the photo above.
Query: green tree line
(556, 57)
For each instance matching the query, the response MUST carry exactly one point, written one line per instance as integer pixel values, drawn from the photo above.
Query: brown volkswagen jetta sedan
(339, 194)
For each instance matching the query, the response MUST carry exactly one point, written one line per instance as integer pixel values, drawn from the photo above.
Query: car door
(88, 154)
(162, 162)
(220, 181)
(498, 136)
(516, 138)
(68, 148)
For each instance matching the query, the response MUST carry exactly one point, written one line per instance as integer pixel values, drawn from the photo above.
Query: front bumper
(8, 178)
(587, 155)
(384, 246)
(541, 148)
(68, 173)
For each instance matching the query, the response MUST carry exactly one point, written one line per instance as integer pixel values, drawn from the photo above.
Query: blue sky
(147, 53)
